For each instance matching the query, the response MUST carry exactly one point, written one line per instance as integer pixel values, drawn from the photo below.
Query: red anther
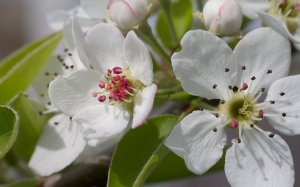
(109, 71)
(260, 113)
(94, 94)
(117, 70)
(234, 124)
(297, 6)
(101, 84)
(102, 98)
(244, 87)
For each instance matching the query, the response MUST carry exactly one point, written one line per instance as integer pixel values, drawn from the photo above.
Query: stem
(145, 32)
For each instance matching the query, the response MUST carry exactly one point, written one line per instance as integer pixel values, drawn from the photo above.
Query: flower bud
(127, 14)
(222, 17)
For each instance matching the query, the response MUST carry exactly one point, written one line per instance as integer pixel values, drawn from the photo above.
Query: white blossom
(208, 68)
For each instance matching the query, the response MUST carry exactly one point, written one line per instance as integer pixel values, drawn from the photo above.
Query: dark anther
(262, 89)
(72, 66)
(269, 71)
(70, 54)
(42, 95)
(67, 67)
(47, 73)
(64, 64)
(272, 102)
(253, 78)
(217, 115)
(56, 123)
(222, 101)
(49, 103)
(66, 49)
(271, 135)
(251, 125)
(282, 94)
(230, 87)
(40, 113)
(283, 114)
(243, 67)
(201, 109)
(215, 129)
(55, 74)
(235, 89)
(214, 86)
(239, 140)
(226, 69)
(71, 118)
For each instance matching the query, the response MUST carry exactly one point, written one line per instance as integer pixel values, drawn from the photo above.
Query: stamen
(244, 87)
(253, 78)
(283, 114)
(282, 94)
(271, 135)
(101, 84)
(251, 125)
(117, 70)
(215, 129)
(269, 71)
(235, 89)
(243, 67)
(234, 124)
(56, 123)
(94, 94)
(214, 86)
(272, 102)
(102, 98)
(226, 69)
(261, 114)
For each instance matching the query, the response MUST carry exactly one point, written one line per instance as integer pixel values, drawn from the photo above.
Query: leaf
(8, 129)
(30, 127)
(139, 151)
(182, 16)
(20, 69)
(22, 183)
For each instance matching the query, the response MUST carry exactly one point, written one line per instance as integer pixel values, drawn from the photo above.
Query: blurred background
(24, 21)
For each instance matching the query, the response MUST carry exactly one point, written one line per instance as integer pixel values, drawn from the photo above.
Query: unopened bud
(223, 17)
(127, 14)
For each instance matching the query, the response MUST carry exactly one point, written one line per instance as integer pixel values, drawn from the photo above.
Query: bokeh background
(24, 21)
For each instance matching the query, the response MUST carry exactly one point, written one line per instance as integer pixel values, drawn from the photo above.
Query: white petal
(259, 161)
(289, 104)
(201, 65)
(58, 146)
(143, 103)
(103, 123)
(74, 92)
(194, 140)
(75, 34)
(251, 7)
(279, 26)
(106, 42)
(57, 19)
(95, 8)
(259, 51)
(138, 59)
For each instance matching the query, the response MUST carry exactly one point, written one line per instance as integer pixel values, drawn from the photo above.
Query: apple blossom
(208, 68)
(282, 15)
(223, 17)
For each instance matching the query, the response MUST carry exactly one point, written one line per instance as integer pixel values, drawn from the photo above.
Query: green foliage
(139, 151)
(30, 127)
(8, 129)
(19, 70)
(181, 13)
(22, 183)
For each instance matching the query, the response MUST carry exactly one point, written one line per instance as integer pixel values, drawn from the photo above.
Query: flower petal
(58, 146)
(250, 8)
(106, 41)
(287, 104)
(194, 140)
(143, 103)
(95, 8)
(75, 36)
(266, 56)
(74, 92)
(259, 160)
(57, 19)
(103, 123)
(138, 59)
(200, 66)
(278, 26)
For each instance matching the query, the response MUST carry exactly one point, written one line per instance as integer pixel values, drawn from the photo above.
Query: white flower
(223, 17)
(207, 67)
(282, 15)
(120, 85)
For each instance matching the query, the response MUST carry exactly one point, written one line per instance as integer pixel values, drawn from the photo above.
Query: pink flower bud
(222, 17)
(128, 13)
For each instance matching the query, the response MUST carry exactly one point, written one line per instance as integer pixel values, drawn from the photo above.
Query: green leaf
(22, 183)
(139, 151)
(20, 69)
(8, 129)
(30, 127)
(182, 16)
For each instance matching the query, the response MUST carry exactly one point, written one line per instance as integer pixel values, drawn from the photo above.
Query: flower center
(287, 10)
(118, 88)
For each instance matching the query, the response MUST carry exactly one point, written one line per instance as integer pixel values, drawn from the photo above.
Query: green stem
(145, 32)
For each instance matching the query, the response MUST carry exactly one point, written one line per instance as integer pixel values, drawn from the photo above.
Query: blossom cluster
(108, 86)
